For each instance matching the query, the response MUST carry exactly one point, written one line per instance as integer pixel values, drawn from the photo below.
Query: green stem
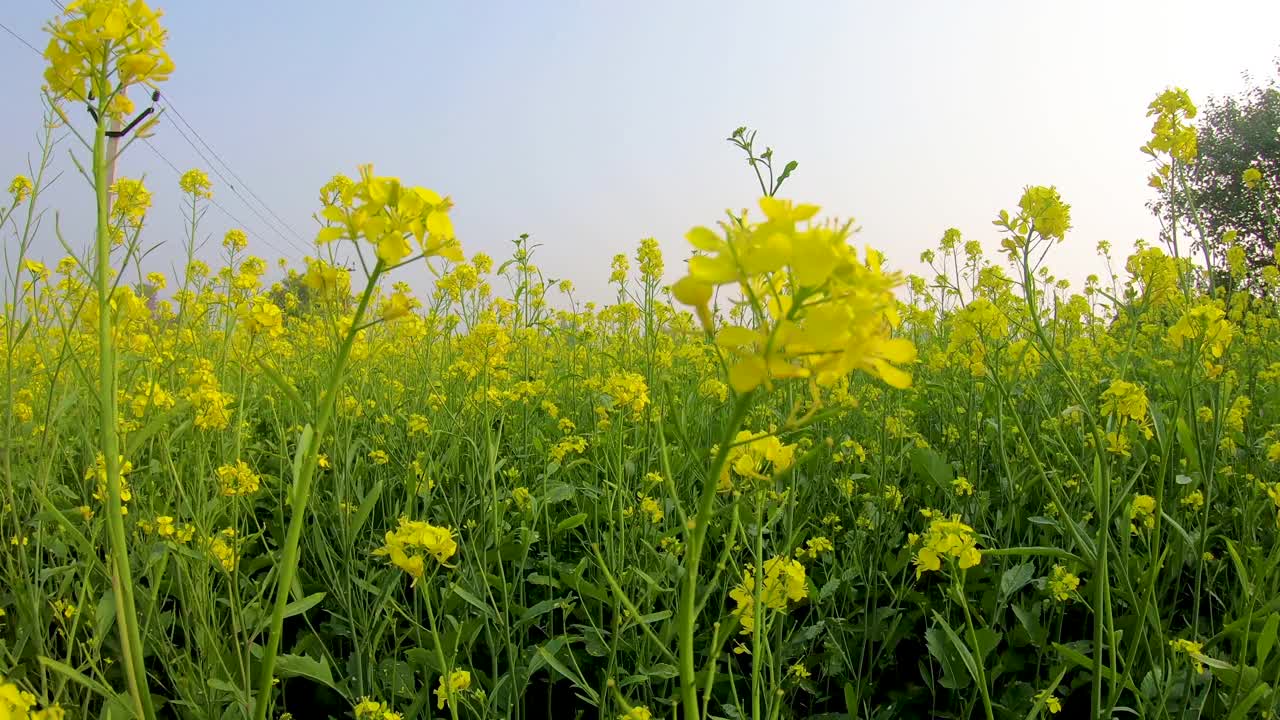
(126, 612)
(697, 535)
(446, 672)
(979, 658)
(757, 640)
(300, 497)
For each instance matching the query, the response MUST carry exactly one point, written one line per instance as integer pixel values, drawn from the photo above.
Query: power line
(237, 221)
(21, 39)
(168, 100)
(231, 186)
(178, 172)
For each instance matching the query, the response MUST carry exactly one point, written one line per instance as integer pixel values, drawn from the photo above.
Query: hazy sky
(591, 125)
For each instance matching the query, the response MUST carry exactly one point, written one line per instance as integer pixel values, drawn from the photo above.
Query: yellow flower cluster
(238, 479)
(263, 317)
(132, 201)
(398, 305)
(522, 498)
(1191, 649)
(36, 268)
(100, 46)
(649, 255)
(457, 681)
(1193, 501)
(972, 328)
(368, 709)
(327, 280)
(196, 183)
(409, 544)
(650, 507)
(1041, 216)
(1126, 400)
(98, 474)
(223, 549)
(784, 582)
(16, 704)
(1062, 583)
(208, 401)
(945, 538)
(386, 213)
(1205, 328)
(1170, 133)
(820, 312)
(567, 445)
(20, 188)
(628, 389)
(814, 547)
(150, 396)
(1251, 177)
(1142, 512)
(1044, 212)
(167, 528)
(756, 457)
(1051, 701)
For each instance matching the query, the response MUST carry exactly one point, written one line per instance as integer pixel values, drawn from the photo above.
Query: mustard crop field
(794, 483)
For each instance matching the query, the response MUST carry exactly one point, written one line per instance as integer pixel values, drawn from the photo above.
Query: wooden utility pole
(113, 147)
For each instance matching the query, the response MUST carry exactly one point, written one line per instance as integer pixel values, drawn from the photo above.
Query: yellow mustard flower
(409, 544)
(457, 681)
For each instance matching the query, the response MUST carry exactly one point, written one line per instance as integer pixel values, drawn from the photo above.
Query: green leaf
(283, 384)
(366, 507)
(654, 617)
(1186, 440)
(570, 523)
(1030, 622)
(1014, 579)
(930, 465)
(1259, 692)
(297, 607)
(536, 611)
(988, 640)
(1267, 638)
(1241, 573)
(569, 675)
(586, 589)
(953, 675)
(1085, 662)
(474, 601)
(558, 493)
(665, 671)
(106, 614)
(1227, 673)
(396, 676)
(77, 677)
(304, 445)
(786, 173)
(851, 704)
(420, 657)
(303, 666)
(963, 650)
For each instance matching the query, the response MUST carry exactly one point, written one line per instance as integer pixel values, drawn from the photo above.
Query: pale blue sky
(591, 125)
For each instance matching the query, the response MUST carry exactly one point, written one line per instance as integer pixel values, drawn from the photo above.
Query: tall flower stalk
(387, 215)
(97, 50)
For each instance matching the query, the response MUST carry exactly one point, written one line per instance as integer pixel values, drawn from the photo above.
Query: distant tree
(1234, 134)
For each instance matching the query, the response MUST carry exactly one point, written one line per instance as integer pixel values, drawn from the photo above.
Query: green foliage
(1235, 133)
